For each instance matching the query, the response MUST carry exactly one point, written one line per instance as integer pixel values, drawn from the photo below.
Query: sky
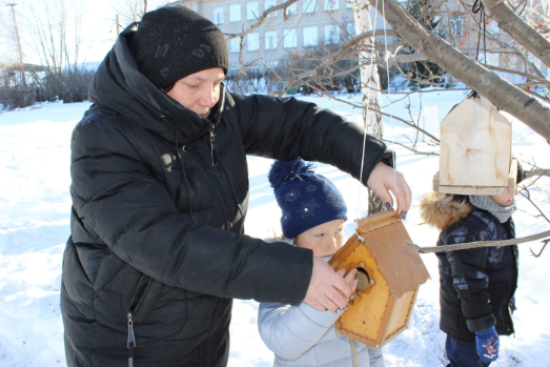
(34, 227)
(98, 27)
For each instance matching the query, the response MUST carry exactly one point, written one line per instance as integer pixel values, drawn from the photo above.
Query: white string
(368, 103)
(389, 94)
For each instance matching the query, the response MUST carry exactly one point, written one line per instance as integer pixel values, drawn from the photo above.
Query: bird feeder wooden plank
(476, 150)
(390, 274)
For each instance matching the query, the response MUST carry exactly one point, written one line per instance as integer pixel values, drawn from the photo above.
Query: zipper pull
(131, 340)
(213, 146)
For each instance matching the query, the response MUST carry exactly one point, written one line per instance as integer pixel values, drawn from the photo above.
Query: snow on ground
(34, 226)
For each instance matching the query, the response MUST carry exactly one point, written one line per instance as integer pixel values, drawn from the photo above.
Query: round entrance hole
(363, 278)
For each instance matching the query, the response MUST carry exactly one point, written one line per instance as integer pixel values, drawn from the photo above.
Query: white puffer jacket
(302, 336)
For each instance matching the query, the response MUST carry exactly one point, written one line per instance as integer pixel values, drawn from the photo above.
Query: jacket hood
(441, 211)
(120, 86)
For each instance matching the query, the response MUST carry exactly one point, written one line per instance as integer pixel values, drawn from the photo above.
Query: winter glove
(487, 345)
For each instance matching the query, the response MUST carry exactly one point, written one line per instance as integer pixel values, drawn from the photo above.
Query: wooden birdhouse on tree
(476, 150)
(390, 274)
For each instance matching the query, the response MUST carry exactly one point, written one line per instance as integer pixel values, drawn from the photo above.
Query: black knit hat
(173, 42)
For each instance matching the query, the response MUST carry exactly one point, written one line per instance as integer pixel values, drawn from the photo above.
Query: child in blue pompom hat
(313, 217)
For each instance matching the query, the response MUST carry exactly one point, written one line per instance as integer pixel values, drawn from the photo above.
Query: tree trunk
(508, 21)
(370, 86)
(501, 93)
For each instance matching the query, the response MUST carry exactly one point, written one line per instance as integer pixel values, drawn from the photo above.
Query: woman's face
(199, 92)
(324, 240)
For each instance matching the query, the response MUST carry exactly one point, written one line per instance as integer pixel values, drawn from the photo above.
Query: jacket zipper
(213, 145)
(138, 296)
(214, 320)
(218, 185)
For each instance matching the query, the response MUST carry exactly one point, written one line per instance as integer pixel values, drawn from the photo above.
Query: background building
(309, 23)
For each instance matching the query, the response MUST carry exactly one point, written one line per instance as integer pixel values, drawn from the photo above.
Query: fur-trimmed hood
(441, 211)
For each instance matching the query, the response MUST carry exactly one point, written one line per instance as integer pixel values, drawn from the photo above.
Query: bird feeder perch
(476, 150)
(389, 273)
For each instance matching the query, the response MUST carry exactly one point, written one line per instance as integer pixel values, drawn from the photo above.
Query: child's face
(504, 200)
(324, 240)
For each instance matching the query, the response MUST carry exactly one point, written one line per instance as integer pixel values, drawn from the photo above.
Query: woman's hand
(383, 180)
(351, 278)
(327, 289)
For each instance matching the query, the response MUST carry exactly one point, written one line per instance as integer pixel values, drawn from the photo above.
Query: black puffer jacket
(157, 250)
(477, 285)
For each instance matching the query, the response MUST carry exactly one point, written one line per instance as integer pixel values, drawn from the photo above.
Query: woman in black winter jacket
(160, 193)
(476, 285)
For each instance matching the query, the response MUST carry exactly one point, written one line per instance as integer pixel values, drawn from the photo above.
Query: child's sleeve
(376, 359)
(290, 331)
(470, 275)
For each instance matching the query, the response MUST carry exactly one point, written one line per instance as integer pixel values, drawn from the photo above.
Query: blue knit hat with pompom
(306, 199)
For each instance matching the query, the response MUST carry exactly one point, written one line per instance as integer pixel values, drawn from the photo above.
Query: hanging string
(386, 56)
(366, 112)
(476, 8)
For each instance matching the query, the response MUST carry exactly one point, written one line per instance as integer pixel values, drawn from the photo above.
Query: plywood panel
(365, 320)
(476, 145)
(399, 317)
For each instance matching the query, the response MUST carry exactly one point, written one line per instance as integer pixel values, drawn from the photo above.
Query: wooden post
(18, 46)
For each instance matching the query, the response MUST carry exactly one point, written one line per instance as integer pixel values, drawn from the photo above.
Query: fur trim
(441, 211)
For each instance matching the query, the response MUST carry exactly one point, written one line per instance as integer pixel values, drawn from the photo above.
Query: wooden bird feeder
(476, 151)
(390, 274)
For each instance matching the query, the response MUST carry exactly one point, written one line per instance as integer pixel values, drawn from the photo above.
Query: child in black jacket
(476, 285)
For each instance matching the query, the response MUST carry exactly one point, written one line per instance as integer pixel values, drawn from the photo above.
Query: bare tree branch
(408, 123)
(415, 151)
(545, 242)
(537, 172)
(525, 194)
(519, 30)
(261, 19)
(501, 93)
(404, 59)
(465, 246)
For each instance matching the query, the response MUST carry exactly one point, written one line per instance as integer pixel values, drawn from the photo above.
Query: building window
(235, 13)
(234, 45)
(272, 64)
(269, 4)
(252, 10)
(457, 23)
(331, 35)
(217, 15)
(253, 41)
(310, 36)
(290, 39)
(309, 6)
(331, 5)
(254, 70)
(270, 40)
(292, 9)
(350, 28)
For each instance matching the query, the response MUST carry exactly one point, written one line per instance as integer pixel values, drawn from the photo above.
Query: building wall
(310, 23)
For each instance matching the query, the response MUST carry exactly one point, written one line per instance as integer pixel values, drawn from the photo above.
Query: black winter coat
(476, 285)
(159, 196)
